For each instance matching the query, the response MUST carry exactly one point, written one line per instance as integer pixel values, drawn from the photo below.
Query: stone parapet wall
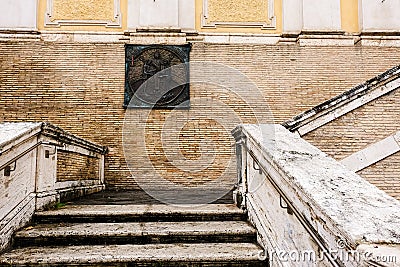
(309, 209)
(360, 128)
(28, 172)
(75, 167)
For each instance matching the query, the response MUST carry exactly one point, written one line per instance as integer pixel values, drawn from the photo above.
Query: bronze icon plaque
(157, 76)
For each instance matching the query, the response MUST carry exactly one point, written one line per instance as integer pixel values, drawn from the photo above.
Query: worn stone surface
(137, 228)
(31, 183)
(129, 197)
(385, 254)
(174, 242)
(135, 233)
(211, 252)
(358, 208)
(17, 200)
(141, 212)
(10, 131)
(362, 127)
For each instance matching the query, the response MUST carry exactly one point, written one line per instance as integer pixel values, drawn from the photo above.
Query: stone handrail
(344, 103)
(309, 209)
(28, 172)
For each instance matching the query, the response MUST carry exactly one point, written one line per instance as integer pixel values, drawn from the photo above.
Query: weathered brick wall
(80, 87)
(363, 126)
(360, 128)
(385, 175)
(74, 167)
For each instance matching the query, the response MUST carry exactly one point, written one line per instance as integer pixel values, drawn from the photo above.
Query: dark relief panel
(156, 76)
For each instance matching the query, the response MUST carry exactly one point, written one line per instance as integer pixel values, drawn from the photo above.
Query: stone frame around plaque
(157, 76)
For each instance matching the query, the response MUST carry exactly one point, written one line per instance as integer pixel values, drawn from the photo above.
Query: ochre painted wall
(349, 15)
(233, 11)
(88, 10)
(217, 11)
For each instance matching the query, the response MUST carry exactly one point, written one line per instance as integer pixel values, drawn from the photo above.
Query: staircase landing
(135, 197)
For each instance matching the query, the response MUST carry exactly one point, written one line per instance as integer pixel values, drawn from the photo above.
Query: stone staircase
(136, 235)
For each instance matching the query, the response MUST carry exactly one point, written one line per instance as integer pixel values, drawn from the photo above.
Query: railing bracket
(256, 167)
(287, 207)
(8, 170)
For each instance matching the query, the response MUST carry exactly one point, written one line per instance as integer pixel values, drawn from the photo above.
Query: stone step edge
(120, 210)
(92, 255)
(134, 233)
(138, 228)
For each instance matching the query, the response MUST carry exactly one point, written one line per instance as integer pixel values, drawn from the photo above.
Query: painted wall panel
(159, 13)
(18, 14)
(321, 15)
(380, 15)
(292, 15)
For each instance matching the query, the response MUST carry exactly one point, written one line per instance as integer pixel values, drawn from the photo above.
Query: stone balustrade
(309, 209)
(30, 156)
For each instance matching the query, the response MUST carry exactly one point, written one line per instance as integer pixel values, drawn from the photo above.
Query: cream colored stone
(292, 16)
(321, 15)
(32, 183)
(390, 41)
(187, 14)
(379, 15)
(303, 201)
(326, 40)
(17, 14)
(157, 38)
(159, 14)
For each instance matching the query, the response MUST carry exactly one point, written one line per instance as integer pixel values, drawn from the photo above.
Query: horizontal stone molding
(75, 143)
(166, 36)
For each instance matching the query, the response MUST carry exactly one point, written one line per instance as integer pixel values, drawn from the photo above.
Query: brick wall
(360, 128)
(385, 175)
(74, 167)
(80, 88)
(355, 130)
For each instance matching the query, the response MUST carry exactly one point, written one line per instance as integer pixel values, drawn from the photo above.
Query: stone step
(135, 233)
(205, 254)
(140, 213)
